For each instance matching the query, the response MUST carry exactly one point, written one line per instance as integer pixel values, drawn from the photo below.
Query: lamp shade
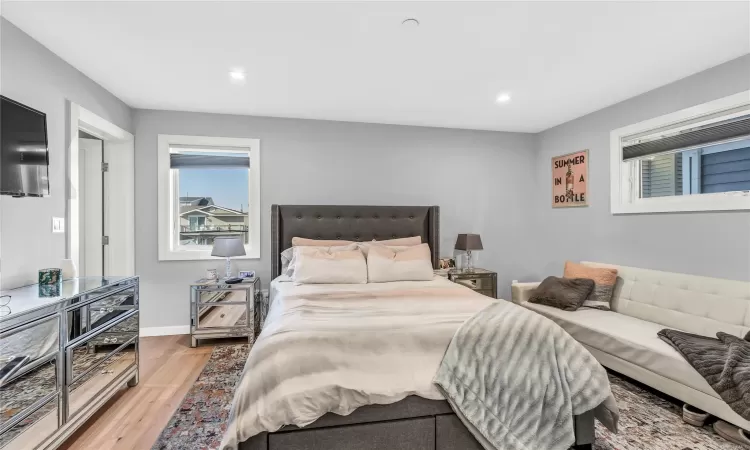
(228, 246)
(469, 242)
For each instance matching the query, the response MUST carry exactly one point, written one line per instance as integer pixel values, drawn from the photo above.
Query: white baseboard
(165, 331)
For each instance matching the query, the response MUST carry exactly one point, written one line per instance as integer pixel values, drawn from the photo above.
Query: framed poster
(570, 176)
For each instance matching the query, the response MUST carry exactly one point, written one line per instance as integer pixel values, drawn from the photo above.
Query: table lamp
(228, 247)
(469, 242)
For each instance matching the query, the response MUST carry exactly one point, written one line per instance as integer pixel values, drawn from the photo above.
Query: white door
(119, 208)
(91, 207)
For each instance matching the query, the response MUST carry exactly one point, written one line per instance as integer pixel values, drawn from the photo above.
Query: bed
(415, 422)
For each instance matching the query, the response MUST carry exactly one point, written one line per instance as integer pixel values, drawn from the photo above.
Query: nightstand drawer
(476, 283)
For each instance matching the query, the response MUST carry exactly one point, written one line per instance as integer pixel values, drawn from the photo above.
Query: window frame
(168, 196)
(625, 180)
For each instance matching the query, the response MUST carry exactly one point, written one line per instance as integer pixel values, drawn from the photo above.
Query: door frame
(121, 219)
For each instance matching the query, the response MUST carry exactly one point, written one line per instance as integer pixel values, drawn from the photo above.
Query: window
(208, 187)
(696, 159)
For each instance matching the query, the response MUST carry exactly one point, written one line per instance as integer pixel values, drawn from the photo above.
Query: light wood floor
(134, 418)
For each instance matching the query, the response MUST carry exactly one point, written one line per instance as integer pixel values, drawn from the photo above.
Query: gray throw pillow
(562, 293)
(747, 336)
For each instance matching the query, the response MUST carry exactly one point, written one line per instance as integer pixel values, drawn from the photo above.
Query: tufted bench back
(691, 303)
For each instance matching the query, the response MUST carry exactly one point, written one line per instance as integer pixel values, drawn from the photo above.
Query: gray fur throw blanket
(515, 379)
(723, 362)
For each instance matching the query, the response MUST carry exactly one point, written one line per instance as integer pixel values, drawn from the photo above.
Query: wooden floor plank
(134, 418)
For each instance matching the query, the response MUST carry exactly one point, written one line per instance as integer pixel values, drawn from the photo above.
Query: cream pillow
(397, 243)
(405, 242)
(288, 259)
(304, 242)
(328, 265)
(399, 264)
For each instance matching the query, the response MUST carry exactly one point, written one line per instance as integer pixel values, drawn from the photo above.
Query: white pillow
(399, 264)
(325, 265)
(287, 259)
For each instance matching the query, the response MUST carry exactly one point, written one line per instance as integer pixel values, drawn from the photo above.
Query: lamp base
(229, 268)
(469, 262)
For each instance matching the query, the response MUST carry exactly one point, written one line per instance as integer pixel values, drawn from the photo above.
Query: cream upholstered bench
(644, 302)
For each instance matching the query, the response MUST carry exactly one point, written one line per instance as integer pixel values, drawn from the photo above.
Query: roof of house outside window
(210, 210)
(196, 201)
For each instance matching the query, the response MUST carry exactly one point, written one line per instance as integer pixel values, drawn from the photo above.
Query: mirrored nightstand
(219, 310)
(482, 281)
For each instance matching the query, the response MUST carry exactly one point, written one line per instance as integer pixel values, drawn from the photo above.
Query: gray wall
(479, 179)
(33, 75)
(710, 244)
(496, 184)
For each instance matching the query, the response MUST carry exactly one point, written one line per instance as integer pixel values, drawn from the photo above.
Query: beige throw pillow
(327, 265)
(604, 283)
(399, 264)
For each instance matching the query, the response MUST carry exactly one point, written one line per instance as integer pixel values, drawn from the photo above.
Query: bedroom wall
(479, 179)
(34, 76)
(713, 244)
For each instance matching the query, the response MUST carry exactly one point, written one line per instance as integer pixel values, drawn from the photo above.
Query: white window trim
(168, 205)
(623, 187)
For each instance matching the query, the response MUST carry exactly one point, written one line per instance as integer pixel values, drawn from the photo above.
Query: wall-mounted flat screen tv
(24, 158)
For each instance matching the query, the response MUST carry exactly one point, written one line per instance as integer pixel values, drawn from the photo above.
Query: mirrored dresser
(64, 351)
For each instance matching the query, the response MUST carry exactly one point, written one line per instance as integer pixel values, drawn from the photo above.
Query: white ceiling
(356, 62)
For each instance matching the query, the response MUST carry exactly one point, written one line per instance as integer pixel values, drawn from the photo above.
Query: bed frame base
(410, 424)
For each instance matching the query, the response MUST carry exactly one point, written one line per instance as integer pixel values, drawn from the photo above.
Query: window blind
(694, 137)
(208, 161)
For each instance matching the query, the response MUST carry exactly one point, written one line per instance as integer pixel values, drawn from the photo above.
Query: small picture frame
(447, 263)
(246, 274)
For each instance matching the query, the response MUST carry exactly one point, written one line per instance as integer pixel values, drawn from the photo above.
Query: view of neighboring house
(722, 167)
(196, 201)
(201, 221)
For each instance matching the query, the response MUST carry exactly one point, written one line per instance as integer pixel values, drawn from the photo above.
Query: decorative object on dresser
(467, 243)
(228, 247)
(68, 268)
(221, 310)
(480, 280)
(76, 350)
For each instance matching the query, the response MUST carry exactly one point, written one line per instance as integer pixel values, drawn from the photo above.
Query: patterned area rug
(647, 421)
(200, 421)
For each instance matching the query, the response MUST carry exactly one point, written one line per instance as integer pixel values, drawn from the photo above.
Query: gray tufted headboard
(351, 223)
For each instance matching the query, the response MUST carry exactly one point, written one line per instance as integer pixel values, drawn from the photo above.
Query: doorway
(101, 232)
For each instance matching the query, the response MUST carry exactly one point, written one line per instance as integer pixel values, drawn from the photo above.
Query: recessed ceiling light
(237, 75)
(503, 98)
(410, 22)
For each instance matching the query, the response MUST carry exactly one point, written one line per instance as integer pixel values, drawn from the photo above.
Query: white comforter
(338, 347)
